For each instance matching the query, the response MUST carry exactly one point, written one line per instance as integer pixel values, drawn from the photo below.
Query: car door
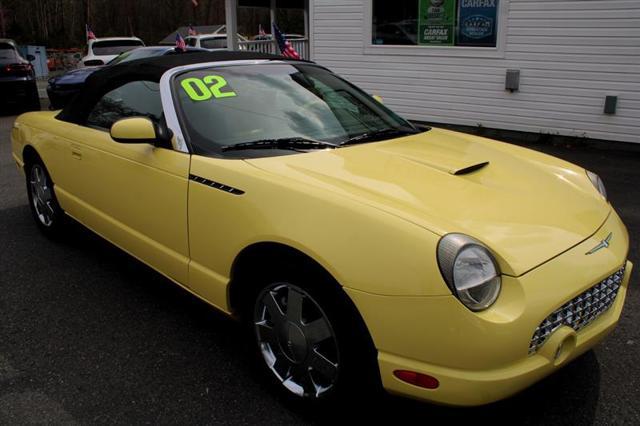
(134, 195)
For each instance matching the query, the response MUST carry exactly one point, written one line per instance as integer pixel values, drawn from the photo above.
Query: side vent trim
(216, 185)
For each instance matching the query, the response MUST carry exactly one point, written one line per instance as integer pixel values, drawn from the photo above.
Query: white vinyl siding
(570, 54)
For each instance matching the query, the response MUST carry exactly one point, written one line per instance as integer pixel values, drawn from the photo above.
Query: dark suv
(17, 79)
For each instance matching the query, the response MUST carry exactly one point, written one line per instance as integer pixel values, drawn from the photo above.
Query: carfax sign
(477, 22)
(436, 21)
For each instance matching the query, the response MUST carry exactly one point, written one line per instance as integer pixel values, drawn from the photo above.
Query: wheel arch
(267, 254)
(30, 155)
(264, 255)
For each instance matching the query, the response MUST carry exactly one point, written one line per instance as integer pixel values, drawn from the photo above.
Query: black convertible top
(148, 69)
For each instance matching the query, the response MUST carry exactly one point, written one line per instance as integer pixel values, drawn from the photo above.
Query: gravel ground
(89, 335)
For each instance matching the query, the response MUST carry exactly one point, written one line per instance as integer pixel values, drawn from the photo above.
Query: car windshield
(132, 55)
(114, 47)
(214, 43)
(149, 52)
(225, 106)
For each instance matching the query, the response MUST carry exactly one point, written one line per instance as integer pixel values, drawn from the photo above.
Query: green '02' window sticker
(203, 89)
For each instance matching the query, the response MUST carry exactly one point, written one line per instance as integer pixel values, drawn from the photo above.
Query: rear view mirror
(31, 58)
(141, 130)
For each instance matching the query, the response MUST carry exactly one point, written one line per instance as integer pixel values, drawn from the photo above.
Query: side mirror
(31, 58)
(378, 98)
(141, 130)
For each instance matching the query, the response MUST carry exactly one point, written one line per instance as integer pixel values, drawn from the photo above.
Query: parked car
(102, 50)
(357, 249)
(17, 79)
(210, 41)
(63, 88)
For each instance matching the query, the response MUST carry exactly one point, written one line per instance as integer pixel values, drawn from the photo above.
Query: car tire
(46, 211)
(309, 341)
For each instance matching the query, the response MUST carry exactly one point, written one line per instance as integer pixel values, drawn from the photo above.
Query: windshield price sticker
(203, 89)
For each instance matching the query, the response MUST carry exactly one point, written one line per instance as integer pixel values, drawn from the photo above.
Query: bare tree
(61, 23)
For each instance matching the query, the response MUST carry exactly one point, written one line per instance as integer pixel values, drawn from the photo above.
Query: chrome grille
(579, 311)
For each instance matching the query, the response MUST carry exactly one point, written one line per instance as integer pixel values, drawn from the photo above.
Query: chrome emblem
(603, 244)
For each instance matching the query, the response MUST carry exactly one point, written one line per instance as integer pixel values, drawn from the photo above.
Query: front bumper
(482, 357)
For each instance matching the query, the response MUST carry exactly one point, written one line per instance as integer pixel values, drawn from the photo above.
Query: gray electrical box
(40, 61)
(512, 82)
(610, 104)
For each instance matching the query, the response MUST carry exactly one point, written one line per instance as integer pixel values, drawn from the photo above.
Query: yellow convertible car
(359, 250)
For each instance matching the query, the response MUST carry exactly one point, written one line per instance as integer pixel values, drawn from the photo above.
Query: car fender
(360, 246)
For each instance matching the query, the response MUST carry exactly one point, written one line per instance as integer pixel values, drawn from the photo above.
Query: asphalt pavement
(89, 335)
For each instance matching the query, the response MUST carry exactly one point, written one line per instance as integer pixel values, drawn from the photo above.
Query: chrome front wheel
(296, 340)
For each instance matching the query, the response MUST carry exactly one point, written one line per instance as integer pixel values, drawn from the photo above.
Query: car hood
(526, 206)
(77, 76)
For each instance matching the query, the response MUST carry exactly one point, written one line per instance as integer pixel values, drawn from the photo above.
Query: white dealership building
(565, 67)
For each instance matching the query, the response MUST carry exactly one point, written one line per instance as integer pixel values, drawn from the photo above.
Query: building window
(435, 22)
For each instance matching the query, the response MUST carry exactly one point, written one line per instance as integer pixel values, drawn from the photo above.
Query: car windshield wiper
(284, 143)
(377, 135)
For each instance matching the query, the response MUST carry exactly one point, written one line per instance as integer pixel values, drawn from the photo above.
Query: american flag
(261, 31)
(180, 44)
(90, 34)
(285, 46)
(192, 31)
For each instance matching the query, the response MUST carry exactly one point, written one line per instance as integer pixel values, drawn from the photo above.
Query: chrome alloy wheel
(296, 340)
(41, 195)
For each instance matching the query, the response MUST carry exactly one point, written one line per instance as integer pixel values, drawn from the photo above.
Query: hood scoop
(448, 164)
(470, 169)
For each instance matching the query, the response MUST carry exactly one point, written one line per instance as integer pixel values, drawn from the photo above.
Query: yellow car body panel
(462, 387)
(134, 195)
(525, 205)
(372, 216)
(479, 358)
(307, 219)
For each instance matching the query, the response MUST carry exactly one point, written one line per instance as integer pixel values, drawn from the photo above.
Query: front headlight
(597, 182)
(470, 270)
